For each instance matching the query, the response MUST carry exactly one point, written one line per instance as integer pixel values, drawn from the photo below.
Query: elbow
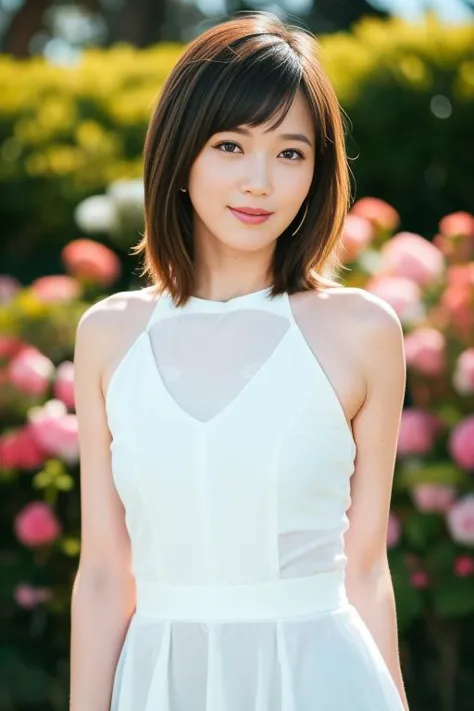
(101, 568)
(97, 584)
(369, 581)
(102, 596)
(368, 571)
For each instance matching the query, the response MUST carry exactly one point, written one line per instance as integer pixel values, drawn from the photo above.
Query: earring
(183, 190)
(303, 219)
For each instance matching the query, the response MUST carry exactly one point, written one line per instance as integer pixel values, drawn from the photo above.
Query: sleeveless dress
(232, 456)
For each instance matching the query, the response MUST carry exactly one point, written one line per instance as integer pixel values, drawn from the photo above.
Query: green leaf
(455, 598)
(439, 559)
(409, 600)
(71, 546)
(42, 479)
(421, 529)
(413, 472)
(65, 482)
(449, 414)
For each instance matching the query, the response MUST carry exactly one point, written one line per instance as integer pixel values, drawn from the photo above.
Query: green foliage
(409, 600)
(67, 133)
(408, 90)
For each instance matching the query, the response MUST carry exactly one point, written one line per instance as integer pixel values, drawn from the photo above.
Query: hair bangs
(256, 91)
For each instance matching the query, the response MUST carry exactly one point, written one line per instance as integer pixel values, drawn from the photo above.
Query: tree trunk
(28, 21)
(25, 23)
(143, 22)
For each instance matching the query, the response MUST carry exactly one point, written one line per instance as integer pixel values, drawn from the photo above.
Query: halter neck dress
(232, 456)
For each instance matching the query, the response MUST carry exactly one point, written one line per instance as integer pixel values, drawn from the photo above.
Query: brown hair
(243, 71)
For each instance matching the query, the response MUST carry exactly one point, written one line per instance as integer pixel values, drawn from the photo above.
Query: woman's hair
(243, 71)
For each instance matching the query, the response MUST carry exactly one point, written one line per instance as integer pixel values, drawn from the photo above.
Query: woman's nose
(257, 178)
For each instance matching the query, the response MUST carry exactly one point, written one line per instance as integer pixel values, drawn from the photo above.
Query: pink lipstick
(251, 215)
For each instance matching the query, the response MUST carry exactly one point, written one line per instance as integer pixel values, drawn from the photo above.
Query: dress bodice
(231, 451)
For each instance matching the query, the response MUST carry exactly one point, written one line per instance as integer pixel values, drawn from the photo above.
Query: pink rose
(55, 430)
(10, 347)
(92, 261)
(419, 579)
(19, 450)
(56, 287)
(36, 525)
(456, 240)
(433, 497)
(403, 295)
(356, 236)
(463, 376)
(64, 385)
(463, 566)
(377, 211)
(9, 286)
(460, 520)
(457, 299)
(30, 371)
(457, 223)
(29, 597)
(461, 443)
(393, 530)
(417, 432)
(461, 276)
(425, 351)
(409, 255)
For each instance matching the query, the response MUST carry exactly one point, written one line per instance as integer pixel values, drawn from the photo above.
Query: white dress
(232, 456)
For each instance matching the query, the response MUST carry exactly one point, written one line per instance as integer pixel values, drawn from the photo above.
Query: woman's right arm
(103, 594)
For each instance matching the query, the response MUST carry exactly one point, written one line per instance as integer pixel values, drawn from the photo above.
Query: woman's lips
(250, 219)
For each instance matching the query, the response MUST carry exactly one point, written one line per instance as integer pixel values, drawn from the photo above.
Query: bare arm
(103, 596)
(376, 426)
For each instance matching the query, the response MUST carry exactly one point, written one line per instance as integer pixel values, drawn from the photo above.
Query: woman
(238, 417)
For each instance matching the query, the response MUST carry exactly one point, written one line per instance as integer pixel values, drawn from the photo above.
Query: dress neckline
(252, 296)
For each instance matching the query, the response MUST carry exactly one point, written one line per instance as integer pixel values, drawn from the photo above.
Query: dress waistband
(286, 597)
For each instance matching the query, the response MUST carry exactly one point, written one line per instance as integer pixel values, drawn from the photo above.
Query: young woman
(239, 416)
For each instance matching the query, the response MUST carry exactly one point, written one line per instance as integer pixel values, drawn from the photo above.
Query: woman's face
(253, 168)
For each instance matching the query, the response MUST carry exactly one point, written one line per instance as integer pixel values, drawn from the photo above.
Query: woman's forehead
(292, 122)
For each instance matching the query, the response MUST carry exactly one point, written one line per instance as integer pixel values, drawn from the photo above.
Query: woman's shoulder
(113, 322)
(358, 306)
(117, 311)
(108, 327)
(362, 322)
(372, 328)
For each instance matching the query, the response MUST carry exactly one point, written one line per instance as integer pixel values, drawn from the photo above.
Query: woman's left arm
(369, 585)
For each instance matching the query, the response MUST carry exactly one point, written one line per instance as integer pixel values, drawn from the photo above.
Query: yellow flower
(63, 160)
(29, 305)
(464, 82)
(414, 71)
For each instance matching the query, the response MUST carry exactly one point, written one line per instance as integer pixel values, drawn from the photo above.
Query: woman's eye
(295, 153)
(227, 144)
(229, 147)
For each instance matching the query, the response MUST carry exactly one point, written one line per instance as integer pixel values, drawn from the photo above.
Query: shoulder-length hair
(243, 71)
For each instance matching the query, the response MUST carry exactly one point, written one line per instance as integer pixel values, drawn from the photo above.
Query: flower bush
(39, 471)
(430, 536)
(430, 285)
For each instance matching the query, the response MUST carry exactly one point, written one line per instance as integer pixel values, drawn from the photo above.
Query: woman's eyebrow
(296, 137)
(285, 136)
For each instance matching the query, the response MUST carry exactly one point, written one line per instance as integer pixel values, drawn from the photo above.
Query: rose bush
(430, 285)
(39, 470)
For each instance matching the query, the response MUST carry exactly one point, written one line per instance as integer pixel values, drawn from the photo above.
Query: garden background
(77, 85)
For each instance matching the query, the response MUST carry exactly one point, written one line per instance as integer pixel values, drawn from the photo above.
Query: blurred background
(78, 81)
